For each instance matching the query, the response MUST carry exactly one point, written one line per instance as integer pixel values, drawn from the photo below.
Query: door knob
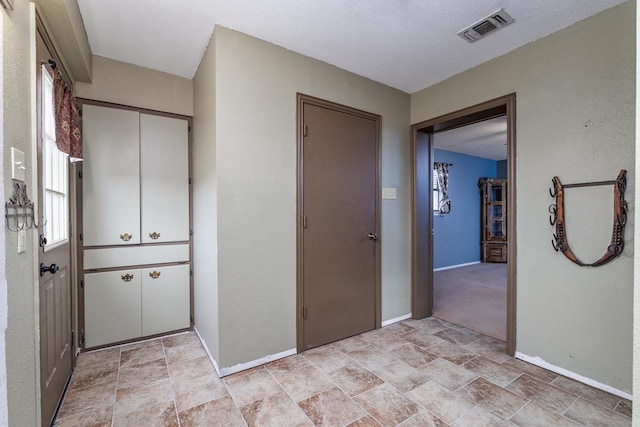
(373, 236)
(51, 269)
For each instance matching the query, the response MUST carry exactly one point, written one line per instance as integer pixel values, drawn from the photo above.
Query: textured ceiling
(406, 44)
(487, 139)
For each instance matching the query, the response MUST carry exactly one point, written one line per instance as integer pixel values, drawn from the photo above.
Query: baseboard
(204, 344)
(396, 320)
(248, 365)
(538, 361)
(456, 266)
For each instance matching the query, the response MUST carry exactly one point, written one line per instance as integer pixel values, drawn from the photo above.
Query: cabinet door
(111, 176)
(164, 179)
(166, 299)
(112, 306)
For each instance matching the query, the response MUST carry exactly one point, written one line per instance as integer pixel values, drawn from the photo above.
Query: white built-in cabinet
(136, 228)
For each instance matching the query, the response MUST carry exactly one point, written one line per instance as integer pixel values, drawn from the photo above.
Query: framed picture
(8, 4)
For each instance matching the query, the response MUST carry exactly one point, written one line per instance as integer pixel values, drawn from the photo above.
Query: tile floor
(413, 373)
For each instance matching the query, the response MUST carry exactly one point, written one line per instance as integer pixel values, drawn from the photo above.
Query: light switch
(22, 241)
(389, 193)
(18, 166)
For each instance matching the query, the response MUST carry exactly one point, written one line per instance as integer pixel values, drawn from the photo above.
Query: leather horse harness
(557, 219)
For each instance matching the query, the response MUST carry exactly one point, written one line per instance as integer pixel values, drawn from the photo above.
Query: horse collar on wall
(557, 218)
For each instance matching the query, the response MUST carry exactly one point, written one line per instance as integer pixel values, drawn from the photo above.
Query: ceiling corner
(66, 29)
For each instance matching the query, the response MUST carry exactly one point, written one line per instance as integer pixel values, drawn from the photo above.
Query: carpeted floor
(474, 296)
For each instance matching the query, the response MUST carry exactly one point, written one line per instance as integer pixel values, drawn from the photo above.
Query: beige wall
(575, 119)
(128, 84)
(4, 416)
(256, 86)
(636, 215)
(18, 36)
(205, 212)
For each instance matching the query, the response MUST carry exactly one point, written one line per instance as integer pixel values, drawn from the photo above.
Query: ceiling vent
(485, 26)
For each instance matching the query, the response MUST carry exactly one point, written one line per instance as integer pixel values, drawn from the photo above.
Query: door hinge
(189, 180)
(191, 319)
(81, 237)
(81, 343)
(190, 232)
(305, 130)
(304, 221)
(304, 312)
(73, 333)
(189, 128)
(79, 174)
(191, 272)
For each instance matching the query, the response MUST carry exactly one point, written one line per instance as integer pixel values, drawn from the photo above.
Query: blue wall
(502, 169)
(457, 234)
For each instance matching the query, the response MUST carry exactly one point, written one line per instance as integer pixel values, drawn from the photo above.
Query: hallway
(413, 373)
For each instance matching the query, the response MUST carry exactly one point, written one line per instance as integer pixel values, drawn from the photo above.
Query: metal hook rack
(19, 211)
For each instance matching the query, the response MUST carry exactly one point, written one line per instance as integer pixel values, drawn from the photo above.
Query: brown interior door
(56, 350)
(339, 207)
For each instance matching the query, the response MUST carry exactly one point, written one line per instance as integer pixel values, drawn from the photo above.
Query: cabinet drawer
(495, 252)
(112, 306)
(134, 255)
(166, 299)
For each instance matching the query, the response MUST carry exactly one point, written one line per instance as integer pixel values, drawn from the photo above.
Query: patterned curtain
(68, 135)
(442, 171)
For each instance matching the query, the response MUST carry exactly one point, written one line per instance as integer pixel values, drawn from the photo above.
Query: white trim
(213, 361)
(456, 266)
(396, 320)
(538, 361)
(248, 365)
(223, 372)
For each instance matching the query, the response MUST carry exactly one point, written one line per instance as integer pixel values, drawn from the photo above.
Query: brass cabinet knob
(127, 277)
(154, 235)
(154, 274)
(126, 237)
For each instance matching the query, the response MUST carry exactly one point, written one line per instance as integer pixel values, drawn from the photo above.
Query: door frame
(422, 216)
(51, 53)
(301, 100)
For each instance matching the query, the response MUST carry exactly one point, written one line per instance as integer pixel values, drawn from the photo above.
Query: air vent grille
(486, 25)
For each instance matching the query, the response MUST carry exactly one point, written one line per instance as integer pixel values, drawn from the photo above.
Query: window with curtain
(437, 194)
(54, 171)
(441, 201)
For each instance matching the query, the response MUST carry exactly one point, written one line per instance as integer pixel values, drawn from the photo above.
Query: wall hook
(553, 210)
(560, 242)
(19, 211)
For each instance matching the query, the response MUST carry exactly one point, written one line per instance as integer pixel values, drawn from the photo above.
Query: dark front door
(339, 230)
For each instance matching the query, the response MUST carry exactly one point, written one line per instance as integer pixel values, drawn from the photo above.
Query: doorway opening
(469, 230)
(481, 247)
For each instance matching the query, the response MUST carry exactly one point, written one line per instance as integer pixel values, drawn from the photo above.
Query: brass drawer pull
(127, 277)
(126, 237)
(154, 235)
(154, 274)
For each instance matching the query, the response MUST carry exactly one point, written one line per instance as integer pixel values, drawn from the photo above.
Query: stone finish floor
(413, 373)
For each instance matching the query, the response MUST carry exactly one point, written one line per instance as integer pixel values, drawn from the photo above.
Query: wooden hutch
(494, 219)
